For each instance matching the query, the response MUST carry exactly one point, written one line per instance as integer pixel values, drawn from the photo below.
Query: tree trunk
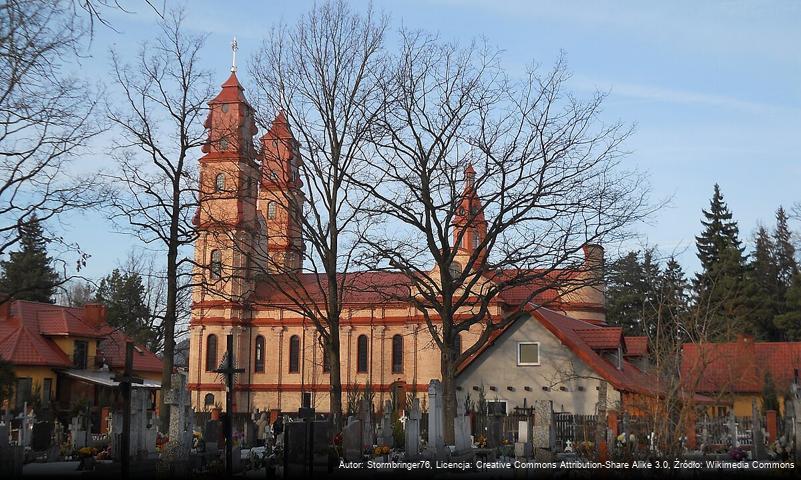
(448, 371)
(335, 380)
(169, 332)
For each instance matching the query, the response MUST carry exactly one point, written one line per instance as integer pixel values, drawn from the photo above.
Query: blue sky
(713, 89)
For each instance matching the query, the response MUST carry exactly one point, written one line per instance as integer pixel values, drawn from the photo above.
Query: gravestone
(26, 430)
(78, 432)
(436, 443)
(41, 436)
(412, 430)
(179, 446)
(4, 435)
(494, 426)
(523, 447)
(386, 426)
(211, 434)
(352, 447)
(305, 447)
(542, 434)
(366, 421)
(262, 424)
(461, 426)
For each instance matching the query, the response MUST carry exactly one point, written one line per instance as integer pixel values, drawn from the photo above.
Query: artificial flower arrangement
(381, 450)
(87, 452)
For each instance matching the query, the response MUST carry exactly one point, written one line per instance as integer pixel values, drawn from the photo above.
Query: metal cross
(126, 380)
(234, 48)
(229, 371)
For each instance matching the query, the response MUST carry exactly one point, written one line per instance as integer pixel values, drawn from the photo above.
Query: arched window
(326, 360)
(361, 354)
(211, 352)
(208, 400)
(271, 210)
(223, 144)
(259, 361)
(294, 354)
(219, 182)
(216, 264)
(397, 354)
(476, 239)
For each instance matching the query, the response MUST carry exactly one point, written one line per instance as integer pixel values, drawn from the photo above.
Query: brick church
(385, 344)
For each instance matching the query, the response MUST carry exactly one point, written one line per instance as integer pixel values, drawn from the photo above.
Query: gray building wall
(559, 367)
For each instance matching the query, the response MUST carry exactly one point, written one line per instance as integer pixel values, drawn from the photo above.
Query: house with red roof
(547, 355)
(735, 373)
(65, 356)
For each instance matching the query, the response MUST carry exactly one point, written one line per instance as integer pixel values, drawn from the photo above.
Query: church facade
(244, 216)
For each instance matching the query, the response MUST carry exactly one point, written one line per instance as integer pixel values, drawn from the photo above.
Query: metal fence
(575, 428)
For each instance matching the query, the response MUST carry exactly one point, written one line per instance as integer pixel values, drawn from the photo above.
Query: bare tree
(46, 118)
(493, 187)
(322, 75)
(159, 118)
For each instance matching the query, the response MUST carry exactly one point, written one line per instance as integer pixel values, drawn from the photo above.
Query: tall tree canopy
(719, 285)
(123, 294)
(28, 274)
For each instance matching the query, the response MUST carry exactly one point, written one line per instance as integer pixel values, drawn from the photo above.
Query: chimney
(593, 255)
(95, 314)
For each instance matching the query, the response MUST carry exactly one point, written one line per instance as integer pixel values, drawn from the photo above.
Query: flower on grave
(87, 452)
(481, 441)
(381, 450)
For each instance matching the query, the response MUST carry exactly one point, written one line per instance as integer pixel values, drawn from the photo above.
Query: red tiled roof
(364, 287)
(739, 367)
(24, 337)
(608, 338)
(112, 348)
(20, 345)
(636, 346)
(573, 333)
(379, 286)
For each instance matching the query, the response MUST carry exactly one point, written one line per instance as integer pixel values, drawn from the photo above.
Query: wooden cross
(229, 371)
(126, 380)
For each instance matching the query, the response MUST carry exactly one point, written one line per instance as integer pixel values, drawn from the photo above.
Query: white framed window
(528, 353)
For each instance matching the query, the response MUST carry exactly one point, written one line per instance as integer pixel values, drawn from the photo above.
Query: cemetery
(390, 438)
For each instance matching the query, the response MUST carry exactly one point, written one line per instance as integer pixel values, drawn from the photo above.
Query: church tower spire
(470, 226)
(281, 198)
(226, 217)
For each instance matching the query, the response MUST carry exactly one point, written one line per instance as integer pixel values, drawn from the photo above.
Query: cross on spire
(234, 48)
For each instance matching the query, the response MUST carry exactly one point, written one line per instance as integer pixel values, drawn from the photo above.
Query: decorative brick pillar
(692, 444)
(772, 421)
(611, 424)
(104, 416)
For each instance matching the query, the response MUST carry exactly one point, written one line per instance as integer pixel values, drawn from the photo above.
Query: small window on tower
(223, 144)
(216, 264)
(476, 239)
(219, 182)
(271, 210)
(224, 107)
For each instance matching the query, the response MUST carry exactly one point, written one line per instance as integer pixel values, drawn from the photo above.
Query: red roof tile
(20, 345)
(112, 348)
(608, 338)
(636, 346)
(739, 366)
(24, 337)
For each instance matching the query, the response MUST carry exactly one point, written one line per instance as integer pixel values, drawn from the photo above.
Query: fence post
(772, 423)
(611, 423)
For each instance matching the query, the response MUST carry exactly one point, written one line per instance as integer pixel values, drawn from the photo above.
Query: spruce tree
(123, 294)
(762, 288)
(718, 287)
(625, 293)
(28, 274)
(789, 322)
(784, 252)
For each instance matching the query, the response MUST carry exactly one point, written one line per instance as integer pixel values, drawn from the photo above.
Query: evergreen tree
(28, 274)
(789, 322)
(625, 293)
(631, 292)
(672, 306)
(762, 288)
(123, 294)
(719, 286)
(786, 264)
